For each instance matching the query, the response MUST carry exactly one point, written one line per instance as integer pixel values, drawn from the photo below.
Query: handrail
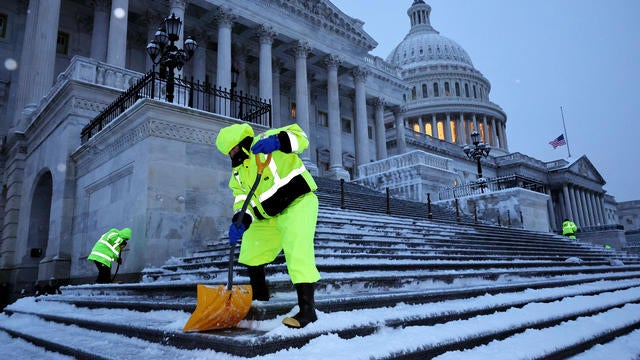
(490, 185)
(187, 93)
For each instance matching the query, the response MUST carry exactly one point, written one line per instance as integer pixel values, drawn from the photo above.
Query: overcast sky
(583, 55)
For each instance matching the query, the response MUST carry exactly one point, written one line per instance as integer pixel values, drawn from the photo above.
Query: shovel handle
(261, 167)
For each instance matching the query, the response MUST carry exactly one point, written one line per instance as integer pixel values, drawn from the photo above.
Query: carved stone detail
(302, 49)
(266, 34)
(359, 74)
(333, 61)
(225, 17)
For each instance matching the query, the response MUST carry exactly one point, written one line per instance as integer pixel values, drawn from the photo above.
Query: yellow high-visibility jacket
(285, 178)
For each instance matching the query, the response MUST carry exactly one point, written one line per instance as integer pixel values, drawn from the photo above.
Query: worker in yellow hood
(282, 213)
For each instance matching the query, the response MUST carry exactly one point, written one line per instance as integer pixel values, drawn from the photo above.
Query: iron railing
(490, 185)
(192, 94)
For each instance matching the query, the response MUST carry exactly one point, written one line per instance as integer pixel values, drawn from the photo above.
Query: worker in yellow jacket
(569, 229)
(107, 249)
(282, 213)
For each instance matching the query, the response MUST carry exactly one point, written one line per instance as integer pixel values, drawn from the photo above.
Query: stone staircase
(439, 270)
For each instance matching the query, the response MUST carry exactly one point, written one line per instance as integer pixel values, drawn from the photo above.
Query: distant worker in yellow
(569, 229)
(107, 249)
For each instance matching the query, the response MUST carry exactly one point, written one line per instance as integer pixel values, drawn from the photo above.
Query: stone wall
(507, 205)
(155, 169)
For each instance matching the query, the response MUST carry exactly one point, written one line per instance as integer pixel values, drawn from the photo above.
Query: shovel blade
(219, 308)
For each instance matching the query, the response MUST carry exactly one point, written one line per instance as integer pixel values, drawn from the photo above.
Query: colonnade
(461, 124)
(581, 205)
(110, 22)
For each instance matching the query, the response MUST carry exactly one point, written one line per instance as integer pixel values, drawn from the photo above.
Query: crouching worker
(569, 229)
(283, 210)
(108, 249)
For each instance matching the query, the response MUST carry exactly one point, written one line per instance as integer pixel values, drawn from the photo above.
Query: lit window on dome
(428, 129)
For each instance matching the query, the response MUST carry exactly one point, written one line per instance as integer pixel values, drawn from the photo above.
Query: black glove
(119, 260)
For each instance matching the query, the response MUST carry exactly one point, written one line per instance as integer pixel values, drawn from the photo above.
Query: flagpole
(566, 137)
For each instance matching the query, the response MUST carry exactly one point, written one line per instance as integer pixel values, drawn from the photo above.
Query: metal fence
(490, 185)
(192, 94)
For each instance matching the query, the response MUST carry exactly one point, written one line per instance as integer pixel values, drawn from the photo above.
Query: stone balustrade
(409, 159)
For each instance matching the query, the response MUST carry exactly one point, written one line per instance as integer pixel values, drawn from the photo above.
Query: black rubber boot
(306, 303)
(258, 282)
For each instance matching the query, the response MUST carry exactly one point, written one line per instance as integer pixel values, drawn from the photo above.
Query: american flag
(559, 141)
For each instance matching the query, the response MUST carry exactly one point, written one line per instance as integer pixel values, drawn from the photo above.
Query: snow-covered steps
(442, 324)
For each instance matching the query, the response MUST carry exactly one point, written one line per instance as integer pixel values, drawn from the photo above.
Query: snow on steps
(407, 330)
(378, 291)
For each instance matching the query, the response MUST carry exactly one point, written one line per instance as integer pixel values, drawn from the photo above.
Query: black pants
(104, 273)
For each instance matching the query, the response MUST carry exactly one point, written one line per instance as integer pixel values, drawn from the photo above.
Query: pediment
(585, 168)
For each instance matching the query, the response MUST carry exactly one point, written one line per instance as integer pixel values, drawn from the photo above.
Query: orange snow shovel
(222, 307)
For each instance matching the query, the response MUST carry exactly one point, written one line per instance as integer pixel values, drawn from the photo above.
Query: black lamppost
(477, 151)
(162, 48)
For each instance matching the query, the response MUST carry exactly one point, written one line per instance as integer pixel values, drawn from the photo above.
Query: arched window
(436, 92)
(475, 94)
(466, 90)
(413, 93)
(425, 92)
(427, 129)
(457, 89)
(447, 91)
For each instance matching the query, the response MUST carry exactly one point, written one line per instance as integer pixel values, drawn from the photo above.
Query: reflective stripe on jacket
(285, 179)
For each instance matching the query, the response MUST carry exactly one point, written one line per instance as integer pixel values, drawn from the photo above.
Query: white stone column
(381, 137)
(302, 49)
(494, 133)
(594, 209)
(400, 137)
(602, 209)
(336, 168)
(117, 48)
(100, 29)
(485, 134)
(567, 203)
(462, 134)
(26, 68)
(266, 35)
(225, 20)
(447, 128)
(574, 207)
(44, 44)
(587, 208)
(199, 60)
(579, 208)
(434, 126)
(505, 146)
(475, 123)
(275, 101)
(362, 137)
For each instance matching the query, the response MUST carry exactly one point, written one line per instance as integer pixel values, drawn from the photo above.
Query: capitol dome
(447, 98)
(424, 45)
